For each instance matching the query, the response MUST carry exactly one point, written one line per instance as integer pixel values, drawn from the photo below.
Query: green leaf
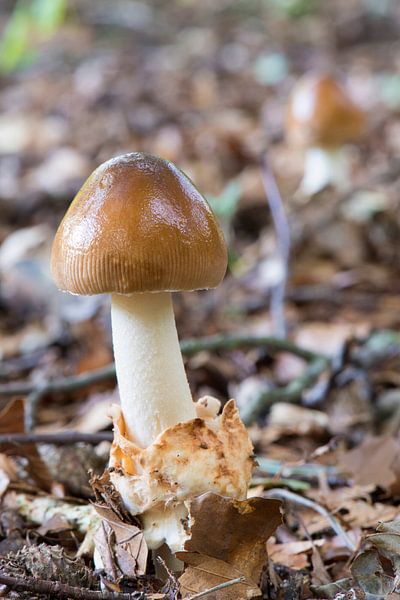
(225, 205)
(49, 15)
(14, 45)
(41, 17)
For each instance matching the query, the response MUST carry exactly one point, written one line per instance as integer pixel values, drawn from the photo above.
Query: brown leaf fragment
(204, 572)
(374, 462)
(122, 549)
(228, 540)
(292, 554)
(233, 530)
(12, 421)
(119, 541)
(108, 499)
(319, 573)
(55, 524)
(7, 473)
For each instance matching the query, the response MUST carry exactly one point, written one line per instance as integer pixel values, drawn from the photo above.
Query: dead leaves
(12, 421)
(227, 541)
(119, 542)
(375, 462)
(121, 546)
(375, 571)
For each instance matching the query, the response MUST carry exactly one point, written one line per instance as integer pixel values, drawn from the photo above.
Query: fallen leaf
(292, 554)
(368, 571)
(54, 524)
(204, 572)
(119, 542)
(319, 573)
(288, 419)
(12, 421)
(227, 541)
(7, 473)
(122, 548)
(373, 462)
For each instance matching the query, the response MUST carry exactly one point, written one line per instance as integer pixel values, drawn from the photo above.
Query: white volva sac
(152, 383)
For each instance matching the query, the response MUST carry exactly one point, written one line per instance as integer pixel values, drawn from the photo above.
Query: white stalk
(323, 167)
(153, 387)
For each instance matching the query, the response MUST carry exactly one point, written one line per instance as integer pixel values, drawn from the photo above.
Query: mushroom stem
(153, 387)
(325, 166)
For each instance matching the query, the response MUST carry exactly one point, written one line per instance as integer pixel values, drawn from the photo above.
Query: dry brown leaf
(119, 541)
(7, 473)
(54, 524)
(289, 419)
(355, 505)
(232, 532)
(374, 461)
(292, 554)
(12, 421)
(204, 572)
(122, 548)
(319, 573)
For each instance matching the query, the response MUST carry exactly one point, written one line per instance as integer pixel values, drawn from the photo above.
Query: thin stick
(62, 438)
(54, 589)
(282, 232)
(188, 347)
(216, 588)
(306, 502)
(290, 393)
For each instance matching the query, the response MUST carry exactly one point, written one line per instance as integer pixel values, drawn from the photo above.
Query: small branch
(305, 471)
(290, 393)
(54, 589)
(216, 588)
(307, 503)
(232, 342)
(62, 438)
(282, 232)
(188, 347)
(62, 384)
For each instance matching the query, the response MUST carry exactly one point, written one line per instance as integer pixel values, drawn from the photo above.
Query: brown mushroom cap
(138, 224)
(320, 112)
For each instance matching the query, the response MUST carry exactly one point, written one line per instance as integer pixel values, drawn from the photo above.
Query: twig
(216, 588)
(306, 471)
(62, 384)
(282, 233)
(290, 393)
(188, 347)
(306, 502)
(55, 589)
(62, 438)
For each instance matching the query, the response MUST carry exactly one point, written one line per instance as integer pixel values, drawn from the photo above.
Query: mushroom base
(186, 460)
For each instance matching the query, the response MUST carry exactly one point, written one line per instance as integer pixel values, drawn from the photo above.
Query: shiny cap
(320, 112)
(138, 224)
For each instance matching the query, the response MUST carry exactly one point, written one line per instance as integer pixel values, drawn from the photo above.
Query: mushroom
(139, 229)
(322, 118)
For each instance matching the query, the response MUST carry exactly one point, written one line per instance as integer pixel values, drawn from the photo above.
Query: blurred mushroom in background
(323, 119)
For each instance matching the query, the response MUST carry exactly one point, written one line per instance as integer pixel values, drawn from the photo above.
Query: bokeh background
(204, 84)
